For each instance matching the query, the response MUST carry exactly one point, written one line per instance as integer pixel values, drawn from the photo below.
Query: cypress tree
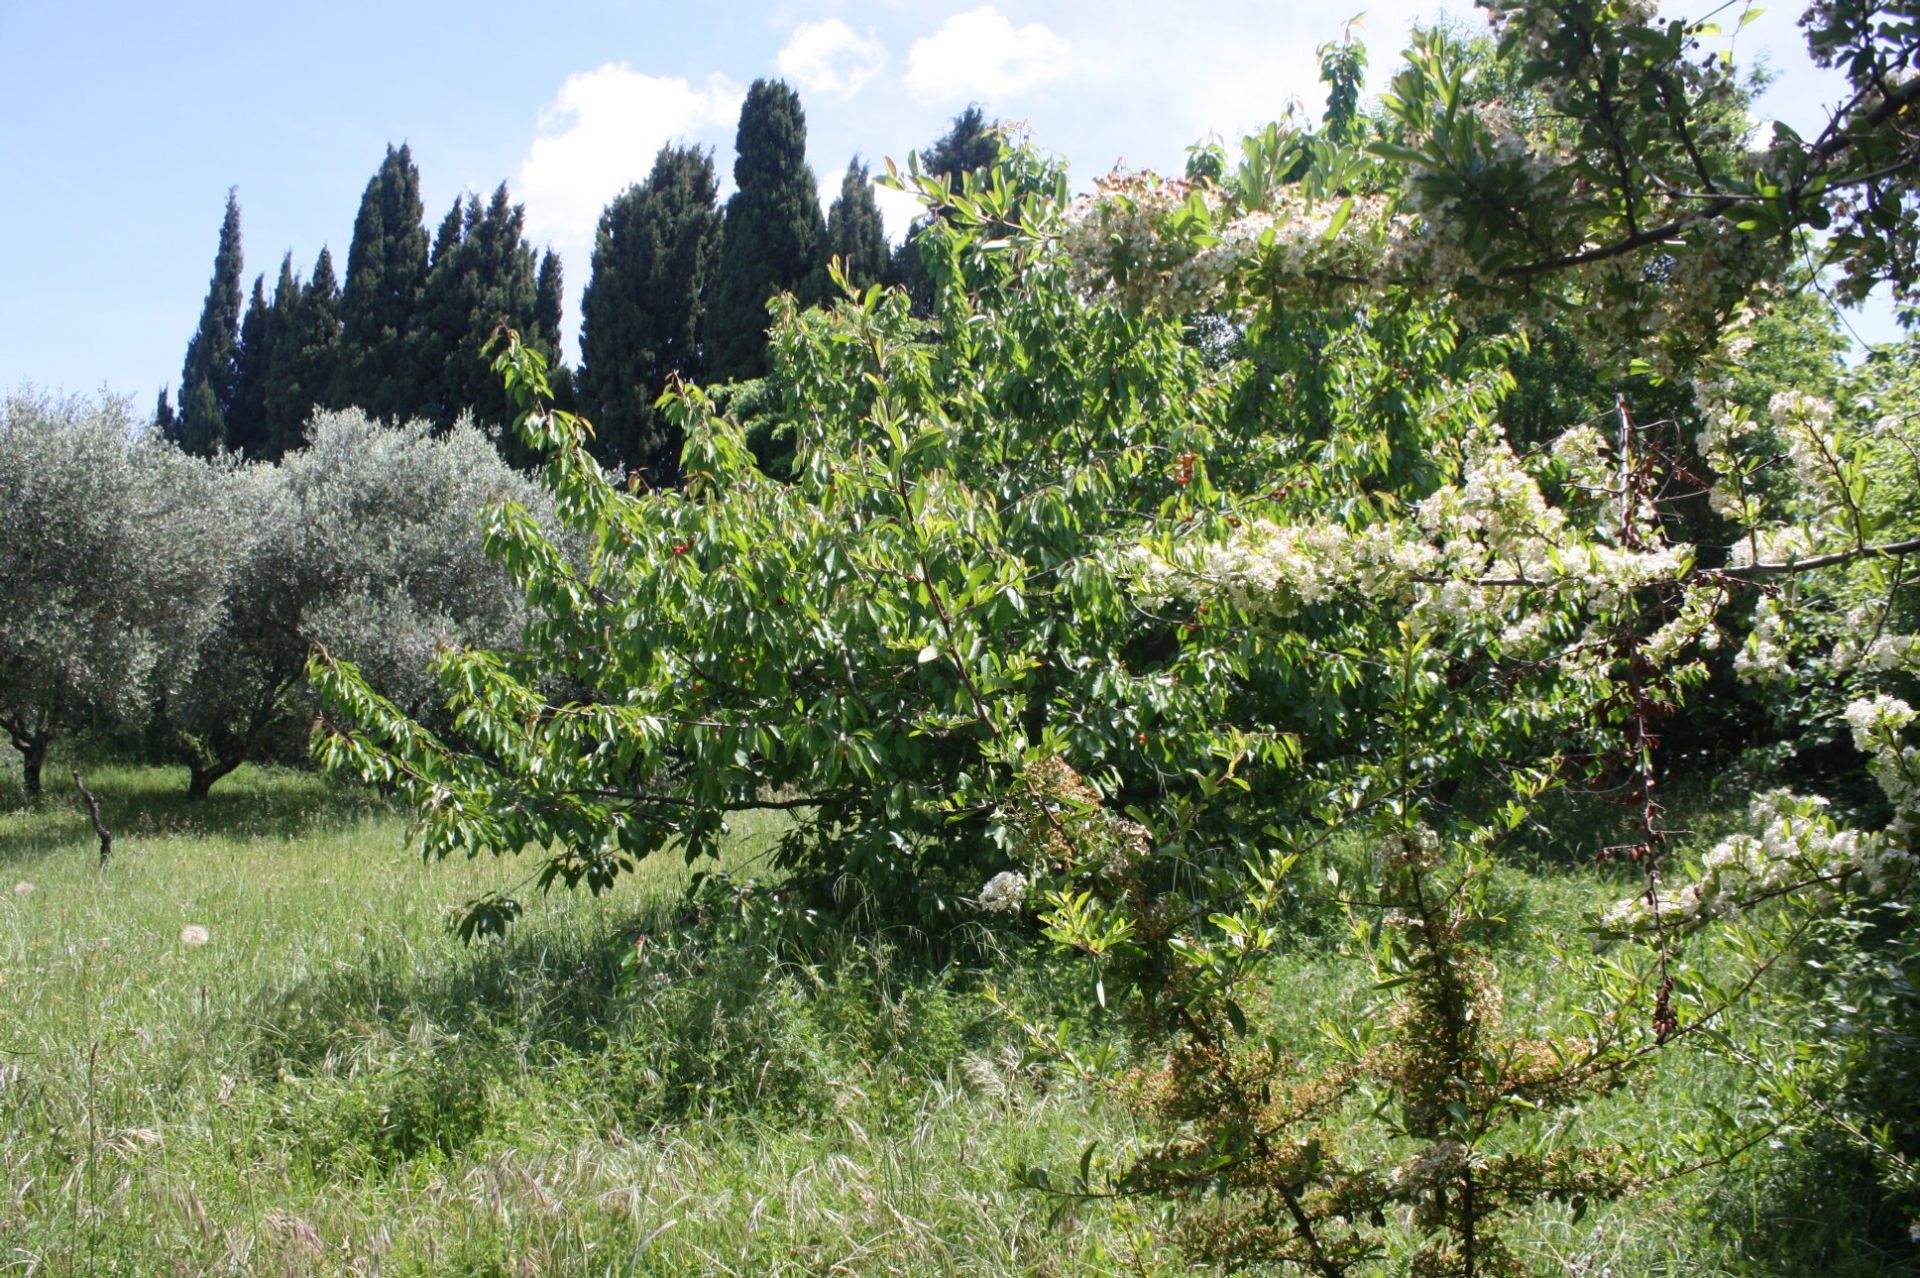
(970, 145)
(247, 418)
(549, 295)
(386, 269)
(207, 378)
(267, 364)
(506, 292)
(855, 233)
(163, 421)
(444, 311)
(482, 276)
(305, 359)
(641, 315)
(774, 236)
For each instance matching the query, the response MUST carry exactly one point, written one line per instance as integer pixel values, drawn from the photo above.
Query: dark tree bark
(33, 758)
(200, 778)
(93, 814)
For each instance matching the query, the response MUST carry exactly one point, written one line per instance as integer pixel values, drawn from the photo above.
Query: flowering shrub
(1058, 608)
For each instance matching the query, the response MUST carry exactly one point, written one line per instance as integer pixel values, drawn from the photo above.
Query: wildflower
(22, 888)
(1004, 893)
(193, 934)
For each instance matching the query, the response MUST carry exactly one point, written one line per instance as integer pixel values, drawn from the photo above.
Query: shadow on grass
(1812, 1208)
(650, 1020)
(140, 801)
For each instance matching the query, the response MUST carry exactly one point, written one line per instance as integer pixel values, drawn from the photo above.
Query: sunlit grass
(331, 1084)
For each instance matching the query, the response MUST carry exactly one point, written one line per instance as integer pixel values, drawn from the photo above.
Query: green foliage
(304, 360)
(644, 308)
(259, 424)
(855, 232)
(482, 277)
(888, 633)
(549, 297)
(365, 542)
(971, 145)
(386, 270)
(1176, 553)
(773, 240)
(209, 377)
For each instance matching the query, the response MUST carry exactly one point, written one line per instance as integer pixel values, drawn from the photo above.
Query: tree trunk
(200, 779)
(33, 757)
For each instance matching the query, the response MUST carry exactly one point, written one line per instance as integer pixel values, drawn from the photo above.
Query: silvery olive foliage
(367, 543)
(115, 553)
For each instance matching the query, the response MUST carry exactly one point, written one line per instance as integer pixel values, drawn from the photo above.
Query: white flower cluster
(1880, 651)
(1469, 546)
(1692, 622)
(1115, 240)
(1763, 658)
(1780, 545)
(1876, 721)
(1417, 848)
(1804, 422)
(1877, 725)
(1793, 842)
(1004, 893)
(1172, 246)
(1585, 456)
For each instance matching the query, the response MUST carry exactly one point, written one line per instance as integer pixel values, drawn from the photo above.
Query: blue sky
(125, 123)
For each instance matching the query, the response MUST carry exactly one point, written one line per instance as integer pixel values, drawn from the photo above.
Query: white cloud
(601, 134)
(979, 54)
(897, 210)
(831, 57)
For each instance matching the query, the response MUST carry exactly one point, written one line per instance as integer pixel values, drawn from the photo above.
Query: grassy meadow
(331, 1084)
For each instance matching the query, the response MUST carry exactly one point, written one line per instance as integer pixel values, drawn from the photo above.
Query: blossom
(1004, 893)
(1877, 721)
(1791, 843)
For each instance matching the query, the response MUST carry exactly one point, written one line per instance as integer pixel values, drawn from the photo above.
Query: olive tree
(115, 549)
(366, 543)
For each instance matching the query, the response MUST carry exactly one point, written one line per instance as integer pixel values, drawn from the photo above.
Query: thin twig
(99, 826)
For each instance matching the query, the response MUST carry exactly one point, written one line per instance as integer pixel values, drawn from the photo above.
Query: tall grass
(330, 1084)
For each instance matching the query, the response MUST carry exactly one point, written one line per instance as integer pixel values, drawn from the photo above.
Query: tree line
(678, 290)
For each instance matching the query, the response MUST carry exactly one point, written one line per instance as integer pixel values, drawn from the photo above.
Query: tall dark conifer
(163, 420)
(386, 269)
(855, 233)
(305, 359)
(266, 363)
(207, 378)
(640, 318)
(549, 298)
(247, 428)
(482, 277)
(970, 145)
(774, 236)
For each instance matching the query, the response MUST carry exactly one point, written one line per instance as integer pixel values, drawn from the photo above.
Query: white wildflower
(1004, 893)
